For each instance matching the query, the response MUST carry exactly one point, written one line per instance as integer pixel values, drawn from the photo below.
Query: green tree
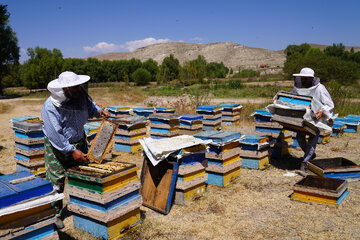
(170, 68)
(9, 50)
(43, 66)
(152, 67)
(336, 50)
(94, 69)
(292, 49)
(141, 77)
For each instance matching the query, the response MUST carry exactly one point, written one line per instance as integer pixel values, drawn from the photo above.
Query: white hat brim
(302, 75)
(55, 83)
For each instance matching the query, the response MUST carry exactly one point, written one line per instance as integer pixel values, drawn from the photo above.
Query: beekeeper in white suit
(307, 84)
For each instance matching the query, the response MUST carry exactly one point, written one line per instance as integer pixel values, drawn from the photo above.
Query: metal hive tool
(102, 141)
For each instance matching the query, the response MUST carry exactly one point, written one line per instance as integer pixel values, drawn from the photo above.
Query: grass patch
(225, 89)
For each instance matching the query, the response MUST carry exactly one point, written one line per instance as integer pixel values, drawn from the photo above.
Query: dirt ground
(255, 207)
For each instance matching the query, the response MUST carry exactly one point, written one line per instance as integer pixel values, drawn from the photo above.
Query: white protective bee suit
(321, 101)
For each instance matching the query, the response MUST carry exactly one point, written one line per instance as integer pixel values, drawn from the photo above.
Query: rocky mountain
(231, 54)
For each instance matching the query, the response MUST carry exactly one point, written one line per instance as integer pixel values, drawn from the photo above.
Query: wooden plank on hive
(158, 184)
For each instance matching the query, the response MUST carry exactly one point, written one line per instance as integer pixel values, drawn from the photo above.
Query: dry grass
(255, 207)
(4, 108)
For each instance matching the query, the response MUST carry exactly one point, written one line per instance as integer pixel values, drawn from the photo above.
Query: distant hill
(231, 54)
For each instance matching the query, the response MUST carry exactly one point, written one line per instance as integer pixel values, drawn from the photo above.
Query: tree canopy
(9, 49)
(332, 64)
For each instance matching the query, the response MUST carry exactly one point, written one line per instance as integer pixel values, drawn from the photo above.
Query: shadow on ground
(288, 162)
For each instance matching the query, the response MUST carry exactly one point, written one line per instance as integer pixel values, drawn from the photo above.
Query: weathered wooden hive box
(164, 111)
(29, 146)
(255, 151)
(223, 157)
(322, 190)
(351, 124)
(158, 184)
(281, 139)
(164, 126)
(264, 125)
(143, 111)
(190, 124)
(190, 184)
(231, 113)
(177, 176)
(104, 198)
(341, 168)
(211, 116)
(127, 136)
(119, 111)
(292, 118)
(25, 207)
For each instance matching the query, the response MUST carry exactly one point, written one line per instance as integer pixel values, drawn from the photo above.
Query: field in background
(256, 207)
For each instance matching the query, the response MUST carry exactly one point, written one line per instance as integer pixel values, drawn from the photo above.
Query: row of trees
(334, 63)
(45, 65)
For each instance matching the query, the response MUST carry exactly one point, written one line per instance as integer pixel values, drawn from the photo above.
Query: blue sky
(82, 28)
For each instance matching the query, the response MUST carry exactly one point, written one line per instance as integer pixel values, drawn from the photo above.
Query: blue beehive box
(337, 129)
(143, 111)
(254, 151)
(351, 116)
(262, 115)
(24, 118)
(350, 124)
(12, 193)
(292, 99)
(165, 110)
(223, 157)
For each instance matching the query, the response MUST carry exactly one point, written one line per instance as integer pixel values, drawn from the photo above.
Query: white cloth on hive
(159, 149)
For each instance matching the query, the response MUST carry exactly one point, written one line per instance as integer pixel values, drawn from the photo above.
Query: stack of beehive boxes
(190, 124)
(211, 116)
(104, 198)
(231, 113)
(29, 145)
(223, 157)
(255, 151)
(127, 136)
(164, 126)
(164, 111)
(25, 207)
(192, 176)
(280, 139)
(119, 111)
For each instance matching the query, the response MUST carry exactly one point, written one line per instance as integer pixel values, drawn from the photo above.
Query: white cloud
(101, 47)
(133, 45)
(199, 39)
(104, 47)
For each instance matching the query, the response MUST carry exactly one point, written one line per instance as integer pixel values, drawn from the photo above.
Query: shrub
(141, 77)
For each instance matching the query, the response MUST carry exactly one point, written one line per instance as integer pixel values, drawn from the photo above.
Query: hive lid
(20, 186)
(191, 117)
(27, 126)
